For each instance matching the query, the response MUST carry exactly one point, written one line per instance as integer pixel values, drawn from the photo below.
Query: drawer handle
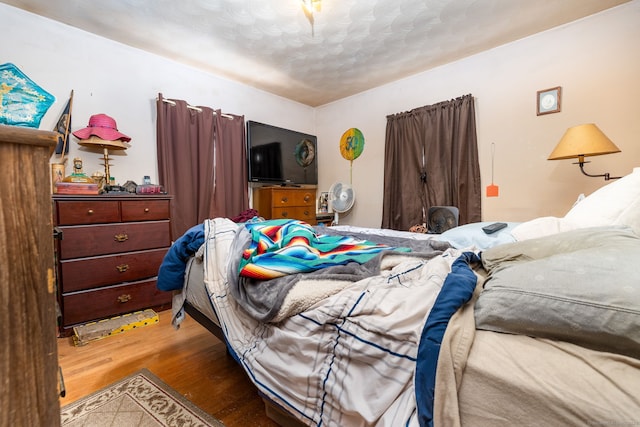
(122, 267)
(306, 213)
(285, 214)
(120, 237)
(307, 197)
(90, 212)
(146, 210)
(284, 200)
(124, 298)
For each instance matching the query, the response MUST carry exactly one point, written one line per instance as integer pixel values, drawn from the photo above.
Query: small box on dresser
(108, 256)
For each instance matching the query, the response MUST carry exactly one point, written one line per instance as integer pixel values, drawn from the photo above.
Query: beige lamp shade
(583, 141)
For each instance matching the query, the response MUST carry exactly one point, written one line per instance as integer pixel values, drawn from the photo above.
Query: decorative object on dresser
(323, 202)
(108, 255)
(29, 361)
(76, 183)
(102, 132)
(76, 188)
(286, 202)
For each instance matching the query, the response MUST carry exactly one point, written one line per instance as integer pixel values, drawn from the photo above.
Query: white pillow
(617, 203)
(472, 235)
(540, 227)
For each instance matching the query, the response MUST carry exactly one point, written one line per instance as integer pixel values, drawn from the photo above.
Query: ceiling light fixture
(582, 141)
(308, 7)
(312, 5)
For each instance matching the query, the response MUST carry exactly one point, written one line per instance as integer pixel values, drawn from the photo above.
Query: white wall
(123, 82)
(596, 61)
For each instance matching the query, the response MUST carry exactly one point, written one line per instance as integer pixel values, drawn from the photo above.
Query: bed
(538, 324)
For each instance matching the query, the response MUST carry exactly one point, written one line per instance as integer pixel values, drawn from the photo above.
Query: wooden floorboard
(191, 360)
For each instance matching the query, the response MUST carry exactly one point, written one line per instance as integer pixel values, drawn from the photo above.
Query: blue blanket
(457, 289)
(172, 269)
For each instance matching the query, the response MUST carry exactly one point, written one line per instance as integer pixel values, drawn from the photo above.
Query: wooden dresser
(109, 254)
(286, 202)
(28, 348)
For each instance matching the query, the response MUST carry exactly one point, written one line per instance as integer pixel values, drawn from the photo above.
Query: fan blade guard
(442, 218)
(342, 197)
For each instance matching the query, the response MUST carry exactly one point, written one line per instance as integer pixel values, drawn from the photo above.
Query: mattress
(512, 369)
(529, 370)
(194, 292)
(483, 378)
(494, 379)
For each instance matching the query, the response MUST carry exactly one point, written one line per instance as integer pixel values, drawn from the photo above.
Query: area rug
(139, 400)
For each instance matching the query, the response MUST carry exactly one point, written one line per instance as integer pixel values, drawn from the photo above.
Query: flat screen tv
(281, 156)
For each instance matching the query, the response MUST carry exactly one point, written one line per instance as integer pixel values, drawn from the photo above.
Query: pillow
(469, 235)
(615, 203)
(540, 227)
(579, 286)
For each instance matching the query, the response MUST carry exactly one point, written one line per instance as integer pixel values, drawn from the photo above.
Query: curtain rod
(191, 107)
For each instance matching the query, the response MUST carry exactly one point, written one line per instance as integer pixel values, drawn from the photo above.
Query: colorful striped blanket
(282, 247)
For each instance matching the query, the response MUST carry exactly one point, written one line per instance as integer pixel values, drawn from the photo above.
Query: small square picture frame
(548, 101)
(323, 202)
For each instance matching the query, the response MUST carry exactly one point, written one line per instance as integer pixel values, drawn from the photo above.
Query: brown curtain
(431, 159)
(201, 162)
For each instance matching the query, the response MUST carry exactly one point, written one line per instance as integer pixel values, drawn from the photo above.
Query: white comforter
(347, 361)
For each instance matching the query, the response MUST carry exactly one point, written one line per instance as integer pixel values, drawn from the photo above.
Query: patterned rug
(139, 400)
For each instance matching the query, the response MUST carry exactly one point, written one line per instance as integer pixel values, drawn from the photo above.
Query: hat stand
(94, 141)
(107, 171)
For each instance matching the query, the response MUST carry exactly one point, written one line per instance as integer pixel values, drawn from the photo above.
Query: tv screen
(281, 156)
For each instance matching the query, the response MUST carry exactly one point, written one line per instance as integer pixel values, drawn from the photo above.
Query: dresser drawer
(87, 212)
(293, 198)
(144, 210)
(87, 241)
(299, 212)
(111, 301)
(87, 273)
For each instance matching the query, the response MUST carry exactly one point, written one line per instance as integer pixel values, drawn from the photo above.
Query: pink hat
(103, 127)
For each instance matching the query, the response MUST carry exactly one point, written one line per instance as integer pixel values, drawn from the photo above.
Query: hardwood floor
(191, 360)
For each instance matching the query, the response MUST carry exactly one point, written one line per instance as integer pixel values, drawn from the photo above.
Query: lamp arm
(606, 175)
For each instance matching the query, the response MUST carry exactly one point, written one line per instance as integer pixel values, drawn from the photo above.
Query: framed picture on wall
(548, 100)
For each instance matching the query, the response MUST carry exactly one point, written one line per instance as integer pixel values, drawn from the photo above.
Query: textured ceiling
(351, 46)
